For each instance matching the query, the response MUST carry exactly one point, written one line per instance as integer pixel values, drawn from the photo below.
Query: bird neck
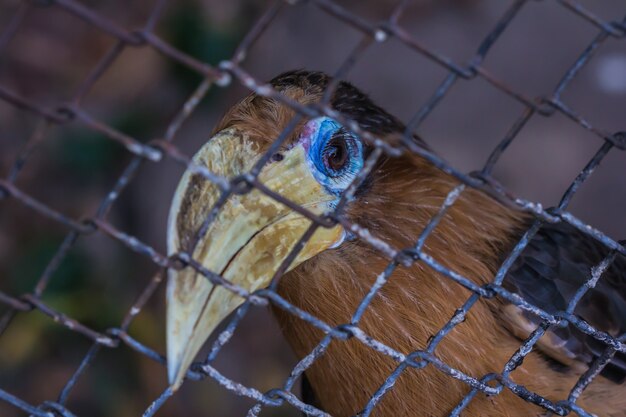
(411, 307)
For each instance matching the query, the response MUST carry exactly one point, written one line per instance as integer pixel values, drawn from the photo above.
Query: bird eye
(336, 155)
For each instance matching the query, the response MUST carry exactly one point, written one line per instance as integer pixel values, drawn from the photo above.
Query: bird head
(251, 234)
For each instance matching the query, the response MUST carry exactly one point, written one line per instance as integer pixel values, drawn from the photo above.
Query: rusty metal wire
(231, 70)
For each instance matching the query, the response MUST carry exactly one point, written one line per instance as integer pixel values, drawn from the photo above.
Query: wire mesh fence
(231, 70)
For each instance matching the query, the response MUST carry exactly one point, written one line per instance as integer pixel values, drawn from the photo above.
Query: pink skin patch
(309, 131)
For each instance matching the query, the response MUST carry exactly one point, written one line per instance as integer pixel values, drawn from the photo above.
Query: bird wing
(548, 273)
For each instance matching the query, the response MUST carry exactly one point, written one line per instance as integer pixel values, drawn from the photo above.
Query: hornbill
(253, 233)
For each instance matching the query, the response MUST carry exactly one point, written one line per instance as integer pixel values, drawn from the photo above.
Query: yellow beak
(246, 243)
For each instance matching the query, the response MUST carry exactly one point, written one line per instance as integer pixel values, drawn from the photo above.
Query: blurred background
(74, 168)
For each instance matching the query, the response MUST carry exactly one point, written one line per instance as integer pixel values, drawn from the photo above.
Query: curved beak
(246, 243)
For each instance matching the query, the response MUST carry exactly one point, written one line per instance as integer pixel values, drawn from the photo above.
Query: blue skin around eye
(334, 181)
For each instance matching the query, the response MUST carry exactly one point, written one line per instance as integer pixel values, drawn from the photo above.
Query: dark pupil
(336, 154)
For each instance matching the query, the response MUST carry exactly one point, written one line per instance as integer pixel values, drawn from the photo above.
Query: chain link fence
(232, 71)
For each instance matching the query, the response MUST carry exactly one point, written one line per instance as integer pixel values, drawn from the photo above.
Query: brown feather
(416, 302)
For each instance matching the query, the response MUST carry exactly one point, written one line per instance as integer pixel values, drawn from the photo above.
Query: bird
(251, 235)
